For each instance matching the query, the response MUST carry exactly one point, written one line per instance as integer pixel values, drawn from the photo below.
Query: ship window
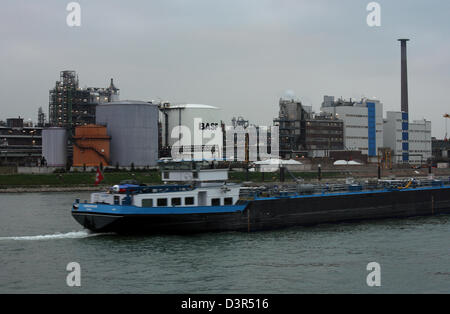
(147, 202)
(188, 201)
(162, 202)
(176, 201)
(228, 201)
(215, 202)
(116, 200)
(166, 175)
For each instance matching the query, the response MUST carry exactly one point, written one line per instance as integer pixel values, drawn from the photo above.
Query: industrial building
(71, 106)
(440, 150)
(133, 128)
(323, 133)
(410, 142)
(305, 134)
(91, 146)
(419, 141)
(291, 122)
(191, 131)
(20, 143)
(363, 123)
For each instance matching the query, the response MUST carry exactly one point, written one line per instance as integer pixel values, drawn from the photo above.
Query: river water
(38, 238)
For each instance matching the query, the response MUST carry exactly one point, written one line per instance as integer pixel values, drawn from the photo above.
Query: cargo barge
(210, 204)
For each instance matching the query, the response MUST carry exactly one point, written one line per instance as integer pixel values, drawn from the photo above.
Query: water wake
(68, 235)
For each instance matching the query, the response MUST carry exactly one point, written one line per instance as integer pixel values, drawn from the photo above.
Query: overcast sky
(239, 55)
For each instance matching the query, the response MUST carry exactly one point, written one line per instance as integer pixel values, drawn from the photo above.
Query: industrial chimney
(404, 82)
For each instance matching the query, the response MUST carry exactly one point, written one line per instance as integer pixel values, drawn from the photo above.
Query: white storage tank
(133, 127)
(54, 146)
(203, 120)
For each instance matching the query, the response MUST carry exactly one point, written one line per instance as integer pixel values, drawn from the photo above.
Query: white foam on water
(68, 235)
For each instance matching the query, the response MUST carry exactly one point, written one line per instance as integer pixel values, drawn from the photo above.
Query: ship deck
(272, 191)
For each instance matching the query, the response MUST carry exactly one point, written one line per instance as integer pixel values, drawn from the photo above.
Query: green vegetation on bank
(74, 179)
(147, 177)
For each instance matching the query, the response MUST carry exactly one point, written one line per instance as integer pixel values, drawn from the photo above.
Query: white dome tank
(189, 115)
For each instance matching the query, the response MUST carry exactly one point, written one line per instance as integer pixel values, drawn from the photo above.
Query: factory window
(147, 202)
(215, 202)
(162, 202)
(176, 201)
(228, 201)
(188, 201)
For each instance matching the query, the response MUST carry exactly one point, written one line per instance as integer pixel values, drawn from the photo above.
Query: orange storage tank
(91, 146)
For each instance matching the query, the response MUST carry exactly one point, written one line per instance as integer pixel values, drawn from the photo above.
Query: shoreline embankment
(84, 181)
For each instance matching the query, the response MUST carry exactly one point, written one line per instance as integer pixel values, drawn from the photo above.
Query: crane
(447, 116)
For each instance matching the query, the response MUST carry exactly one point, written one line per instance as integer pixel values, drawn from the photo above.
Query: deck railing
(314, 189)
(132, 190)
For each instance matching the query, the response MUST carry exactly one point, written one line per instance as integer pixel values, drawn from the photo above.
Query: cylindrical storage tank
(54, 146)
(133, 127)
(197, 118)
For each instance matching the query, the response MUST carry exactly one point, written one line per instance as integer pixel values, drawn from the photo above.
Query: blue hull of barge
(133, 219)
(267, 213)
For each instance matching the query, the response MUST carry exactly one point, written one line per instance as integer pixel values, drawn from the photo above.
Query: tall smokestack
(404, 83)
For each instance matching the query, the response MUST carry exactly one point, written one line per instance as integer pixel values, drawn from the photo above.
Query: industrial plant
(71, 106)
(92, 127)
